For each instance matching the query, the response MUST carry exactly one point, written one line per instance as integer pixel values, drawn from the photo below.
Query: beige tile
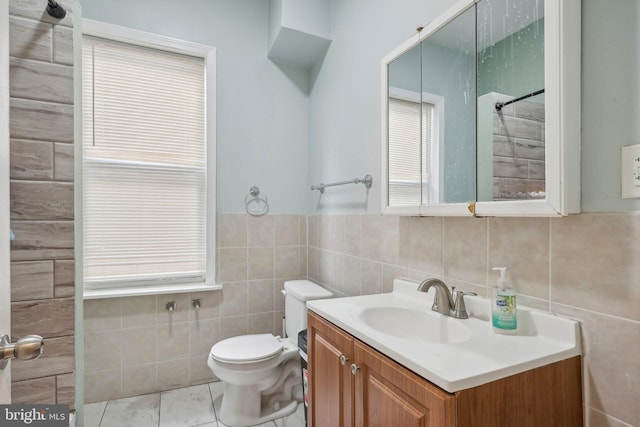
(33, 9)
(200, 372)
(278, 296)
(48, 318)
(30, 39)
(31, 160)
(42, 240)
(302, 262)
(31, 280)
(278, 326)
(261, 323)
(521, 245)
(389, 274)
(64, 278)
(41, 200)
(594, 263)
(464, 254)
(287, 230)
(233, 326)
(261, 230)
(57, 358)
(210, 305)
(66, 390)
(371, 238)
(596, 418)
(324, 231)
(180, 314)
(352, 231)
(611, 369)
(41, 81)
(233, 230)
(303, 230)
(287, 262)
(234, 299)
(174, 374)
(422, 244)
(139, 345)
(102, 350)
(102, 385)
(260, 294)
(62, 45)
(139, 379)
(37, 391)
(391, 243)
(173, 341)
(336, 230)
(313, 264)
(141, 310)
(331, 269)
(261, 263)
(371, 277)
(102, 314)
(43, 121)
(63, 162)
(203, 334)
(352, 276)
(233, 264)
(313, 224)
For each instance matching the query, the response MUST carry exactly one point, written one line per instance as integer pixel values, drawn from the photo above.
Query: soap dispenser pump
(504, 315)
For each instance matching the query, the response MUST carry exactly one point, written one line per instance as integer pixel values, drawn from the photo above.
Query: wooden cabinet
(351, 384)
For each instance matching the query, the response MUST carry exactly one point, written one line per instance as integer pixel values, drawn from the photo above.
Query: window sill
(148, 290)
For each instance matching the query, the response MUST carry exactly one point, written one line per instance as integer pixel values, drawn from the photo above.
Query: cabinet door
(330, 381)
(388, 394)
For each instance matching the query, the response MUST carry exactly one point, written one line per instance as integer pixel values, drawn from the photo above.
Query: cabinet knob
(354, 369)
(343, 359)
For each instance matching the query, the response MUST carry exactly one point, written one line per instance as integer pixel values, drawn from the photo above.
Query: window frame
(208, 54)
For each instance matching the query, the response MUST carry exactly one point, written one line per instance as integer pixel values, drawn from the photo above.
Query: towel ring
(254, 197)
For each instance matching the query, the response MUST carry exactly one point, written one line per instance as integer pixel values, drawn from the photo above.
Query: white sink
(417, 325)
(454, 354)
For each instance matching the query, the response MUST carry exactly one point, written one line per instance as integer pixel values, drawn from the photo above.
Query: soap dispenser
(504, 315)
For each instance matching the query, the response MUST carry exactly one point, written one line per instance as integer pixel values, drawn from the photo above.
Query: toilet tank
(297, 293)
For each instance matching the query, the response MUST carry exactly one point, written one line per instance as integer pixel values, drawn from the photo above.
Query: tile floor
(184, 407)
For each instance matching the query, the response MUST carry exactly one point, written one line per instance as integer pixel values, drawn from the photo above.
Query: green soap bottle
(504, 312)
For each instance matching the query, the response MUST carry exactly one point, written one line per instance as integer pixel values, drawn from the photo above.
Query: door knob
(26, 348)
(343, 359)
(354, 369)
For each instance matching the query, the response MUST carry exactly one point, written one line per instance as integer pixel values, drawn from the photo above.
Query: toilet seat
(247, 348)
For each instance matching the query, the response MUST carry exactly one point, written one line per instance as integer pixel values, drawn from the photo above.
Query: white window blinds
(144, 165)
(409, 153)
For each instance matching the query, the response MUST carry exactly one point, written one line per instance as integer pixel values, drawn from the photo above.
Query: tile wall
(42, 266)
(582, 266)
(134, 345)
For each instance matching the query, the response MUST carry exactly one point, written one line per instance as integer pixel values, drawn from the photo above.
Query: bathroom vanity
(363, 374)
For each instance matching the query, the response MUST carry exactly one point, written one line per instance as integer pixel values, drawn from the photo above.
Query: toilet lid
(246, 348)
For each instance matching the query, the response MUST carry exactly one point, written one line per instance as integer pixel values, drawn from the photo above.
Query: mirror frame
(562, 119)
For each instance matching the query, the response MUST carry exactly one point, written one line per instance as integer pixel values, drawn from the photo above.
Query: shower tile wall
(134, 345)
(582, 266)
(41, 172)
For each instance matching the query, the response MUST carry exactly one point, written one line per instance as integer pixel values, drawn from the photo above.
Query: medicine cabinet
(481, 112)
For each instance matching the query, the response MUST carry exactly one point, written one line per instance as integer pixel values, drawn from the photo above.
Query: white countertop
(542, 338)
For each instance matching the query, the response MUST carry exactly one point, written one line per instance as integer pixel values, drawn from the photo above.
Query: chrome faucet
(443, 301)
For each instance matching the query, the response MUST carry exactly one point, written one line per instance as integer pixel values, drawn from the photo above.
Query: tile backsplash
(582, 266)
(134, 345)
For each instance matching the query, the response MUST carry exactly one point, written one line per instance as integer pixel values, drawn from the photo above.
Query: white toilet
(262, 372)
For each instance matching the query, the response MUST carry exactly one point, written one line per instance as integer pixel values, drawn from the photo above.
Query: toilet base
(243, 412)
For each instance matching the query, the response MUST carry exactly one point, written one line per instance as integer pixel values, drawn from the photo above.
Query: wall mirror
(481, 112)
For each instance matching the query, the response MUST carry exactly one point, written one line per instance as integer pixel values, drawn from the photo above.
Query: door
(388, 394)
(5, 276)
(330, 379)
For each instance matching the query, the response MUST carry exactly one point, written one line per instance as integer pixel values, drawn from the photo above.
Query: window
(148, 166)
(415, 132)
